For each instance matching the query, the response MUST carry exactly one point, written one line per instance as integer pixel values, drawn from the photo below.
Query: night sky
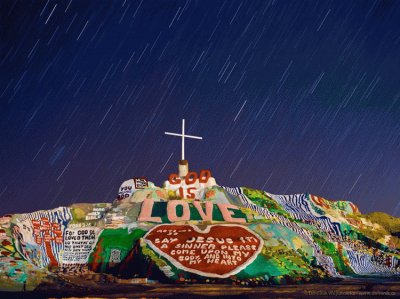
(289, 97)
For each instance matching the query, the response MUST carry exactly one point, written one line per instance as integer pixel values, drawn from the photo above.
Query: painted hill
(227, 235)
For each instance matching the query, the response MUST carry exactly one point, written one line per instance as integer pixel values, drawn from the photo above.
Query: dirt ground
(352, 288)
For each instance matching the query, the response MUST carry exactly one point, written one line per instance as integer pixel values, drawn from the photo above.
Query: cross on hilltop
(183, 138)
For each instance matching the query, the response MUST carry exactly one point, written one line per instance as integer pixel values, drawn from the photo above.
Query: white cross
(183, 137)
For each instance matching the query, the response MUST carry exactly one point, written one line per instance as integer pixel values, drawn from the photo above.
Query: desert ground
(350, 288)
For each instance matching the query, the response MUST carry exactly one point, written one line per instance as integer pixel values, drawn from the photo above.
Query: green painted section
(113, 239)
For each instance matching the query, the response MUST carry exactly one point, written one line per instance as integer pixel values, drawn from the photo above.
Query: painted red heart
(218, 251)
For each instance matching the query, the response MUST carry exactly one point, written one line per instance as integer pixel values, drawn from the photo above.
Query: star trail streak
(290, 96)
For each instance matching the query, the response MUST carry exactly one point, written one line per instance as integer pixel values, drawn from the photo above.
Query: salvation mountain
(194, 231)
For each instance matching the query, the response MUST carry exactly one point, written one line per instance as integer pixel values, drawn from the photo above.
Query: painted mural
(194, 230)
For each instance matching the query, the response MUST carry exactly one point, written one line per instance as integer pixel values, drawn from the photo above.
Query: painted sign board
(192, 185)
(130, 186)
(78, 244)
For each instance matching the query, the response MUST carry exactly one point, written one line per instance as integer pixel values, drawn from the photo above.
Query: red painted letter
(191, 178)
(204, 176)
(174, 179)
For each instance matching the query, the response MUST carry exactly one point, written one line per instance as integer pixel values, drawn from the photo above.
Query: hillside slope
(235, 235)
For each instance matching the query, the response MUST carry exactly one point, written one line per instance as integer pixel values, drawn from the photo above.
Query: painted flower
(210, 193)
